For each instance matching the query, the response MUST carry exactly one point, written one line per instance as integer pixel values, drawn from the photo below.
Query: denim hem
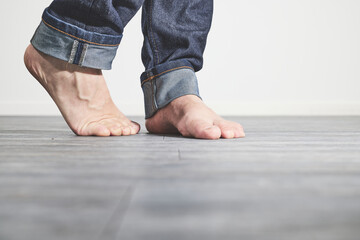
(79, 33)
(161, 86)
(65, 46)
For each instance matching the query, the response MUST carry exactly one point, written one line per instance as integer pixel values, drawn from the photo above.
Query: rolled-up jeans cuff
(166, 82)
(72, 44)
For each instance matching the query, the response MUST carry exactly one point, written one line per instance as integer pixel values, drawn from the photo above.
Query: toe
(126, 131)
(239, 131)
(227, 133)
(116, 131)
(205, 130)
(98, 130)
(92, 129)
(230, 129)
(135, 127)
(118, 126)
(212, 132)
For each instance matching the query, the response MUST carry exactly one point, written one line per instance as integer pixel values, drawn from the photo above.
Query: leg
(175, 33)
(73, 42)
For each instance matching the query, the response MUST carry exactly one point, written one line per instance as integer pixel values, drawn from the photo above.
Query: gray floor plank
(290, 178)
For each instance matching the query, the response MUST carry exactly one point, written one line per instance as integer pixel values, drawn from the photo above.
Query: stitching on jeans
(83, 54)
(78, 53)
(73, 51)
(153, 98)
(100, 44)
(152, 77)
(151, 35)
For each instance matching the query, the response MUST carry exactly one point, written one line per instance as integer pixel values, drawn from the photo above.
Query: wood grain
(290, 178)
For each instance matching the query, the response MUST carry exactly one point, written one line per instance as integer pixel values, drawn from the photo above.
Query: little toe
(135, 127)
(239, 131)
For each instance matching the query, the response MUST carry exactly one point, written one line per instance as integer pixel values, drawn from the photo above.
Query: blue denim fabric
(73, 50)
(88, 32)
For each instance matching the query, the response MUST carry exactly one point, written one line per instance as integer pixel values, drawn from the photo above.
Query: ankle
(185, 101)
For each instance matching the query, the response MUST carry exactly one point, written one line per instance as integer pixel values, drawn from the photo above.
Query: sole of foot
(189, 116)
(81, 95)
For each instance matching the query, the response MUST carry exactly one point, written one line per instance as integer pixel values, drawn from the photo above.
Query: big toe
(204, 130)
(94, 130)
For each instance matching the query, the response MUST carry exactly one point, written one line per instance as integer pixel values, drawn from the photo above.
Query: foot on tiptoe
(189, 116)
(81, 95)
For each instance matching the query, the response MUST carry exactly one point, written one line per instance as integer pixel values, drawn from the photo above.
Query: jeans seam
(83, 54)
(80, 39)
(169, 70)
(152, 36)
(73, 51)
(153, 93)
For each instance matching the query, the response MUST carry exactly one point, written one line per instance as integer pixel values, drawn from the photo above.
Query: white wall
(263, 57)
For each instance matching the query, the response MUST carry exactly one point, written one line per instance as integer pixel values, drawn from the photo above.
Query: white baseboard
(223, 108)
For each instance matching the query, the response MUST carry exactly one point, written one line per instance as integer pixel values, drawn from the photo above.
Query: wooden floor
(290, 178)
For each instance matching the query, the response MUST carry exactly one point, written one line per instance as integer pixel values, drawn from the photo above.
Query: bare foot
(81, 95)
(192, 118)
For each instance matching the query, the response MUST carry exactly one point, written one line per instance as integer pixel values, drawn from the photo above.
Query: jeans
(88, 32)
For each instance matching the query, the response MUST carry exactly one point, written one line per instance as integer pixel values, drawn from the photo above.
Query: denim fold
(74, 45)
(166, 82)
(88, 33)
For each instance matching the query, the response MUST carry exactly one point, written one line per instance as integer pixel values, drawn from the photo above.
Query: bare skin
(189, 116)
(81, 95)
(83, 99)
